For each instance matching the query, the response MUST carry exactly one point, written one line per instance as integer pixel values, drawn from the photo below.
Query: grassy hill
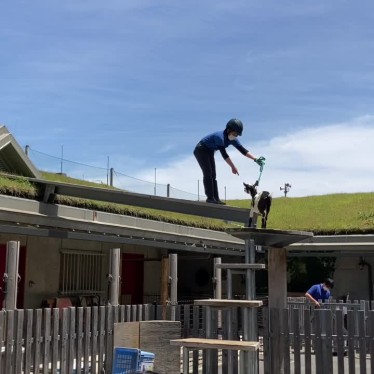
(326, 214)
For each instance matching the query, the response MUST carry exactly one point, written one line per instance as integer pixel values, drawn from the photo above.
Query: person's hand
(260, 161)
(317, 304)
(234, 170)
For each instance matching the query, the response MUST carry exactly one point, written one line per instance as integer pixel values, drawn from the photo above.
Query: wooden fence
(71, 340)
(324, 343)
(80, 340)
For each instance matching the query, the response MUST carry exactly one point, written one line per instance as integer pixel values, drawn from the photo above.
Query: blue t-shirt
(218, 141)
(318, 292)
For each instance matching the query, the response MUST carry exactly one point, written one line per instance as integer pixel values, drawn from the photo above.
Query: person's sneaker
(220, 202)
(211, 201)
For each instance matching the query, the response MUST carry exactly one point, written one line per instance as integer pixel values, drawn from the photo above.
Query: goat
(261, 203)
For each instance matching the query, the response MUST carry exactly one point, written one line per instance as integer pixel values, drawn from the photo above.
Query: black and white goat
(261, 203)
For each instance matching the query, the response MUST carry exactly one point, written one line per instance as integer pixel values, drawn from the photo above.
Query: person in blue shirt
(219, 141)
(321, 291)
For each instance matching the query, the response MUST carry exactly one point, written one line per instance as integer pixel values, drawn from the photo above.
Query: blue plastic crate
(146, 361)
(126, 360)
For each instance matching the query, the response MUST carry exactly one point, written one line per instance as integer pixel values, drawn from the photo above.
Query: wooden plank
(134, 315)
(2, 346)
(38, 316)
(266, 337)
(308, 341)
(87, 340)
(46, 339)
(186, 321)
(54, 338)
(79, 341)
(241, 266)
(128, 313)
(371, 334)
(362, 341)
(146, 312)
(351, 341)
(101, 338)
(224, 303)
(18, 341)
(340, 341)
(285, 341)
(64, 338)
(213, 335)
(139, 312)
(94, 339)
(9, 340)
(195, 332)
(115, 313)
(318, 343)
(72, 340)
(109, 339)
(122, 313)
(28, 341)
(216, 344)
(327, 340)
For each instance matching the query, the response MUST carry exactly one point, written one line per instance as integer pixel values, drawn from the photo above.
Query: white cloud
(335, 158)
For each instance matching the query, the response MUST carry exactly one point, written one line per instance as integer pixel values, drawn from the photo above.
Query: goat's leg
(250, 218)
(263, 222)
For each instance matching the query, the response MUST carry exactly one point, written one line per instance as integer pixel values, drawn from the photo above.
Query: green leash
(262, 164)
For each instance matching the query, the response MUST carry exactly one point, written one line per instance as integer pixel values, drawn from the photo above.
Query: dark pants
(205, 158)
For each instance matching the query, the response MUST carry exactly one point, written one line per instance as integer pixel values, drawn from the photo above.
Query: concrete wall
(43, 265)
(350, 279)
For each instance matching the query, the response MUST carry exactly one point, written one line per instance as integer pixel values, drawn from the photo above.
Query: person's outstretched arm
(312, 299)
(231, 164)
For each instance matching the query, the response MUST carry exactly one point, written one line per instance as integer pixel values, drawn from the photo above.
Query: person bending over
(219, 141)
(321, 291)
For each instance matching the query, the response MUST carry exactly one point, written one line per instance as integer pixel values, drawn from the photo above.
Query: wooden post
(164, 285)
(173, 260)
(217, 281)
(277, 277)
(11, 275)
(115, 256)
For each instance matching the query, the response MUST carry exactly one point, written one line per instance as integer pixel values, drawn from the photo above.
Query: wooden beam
(225, 303)
(145, 201)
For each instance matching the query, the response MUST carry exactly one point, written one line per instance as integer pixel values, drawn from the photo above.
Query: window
(81, 273)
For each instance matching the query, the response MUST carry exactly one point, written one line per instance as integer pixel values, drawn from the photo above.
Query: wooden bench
(199, 343)
(225, 303)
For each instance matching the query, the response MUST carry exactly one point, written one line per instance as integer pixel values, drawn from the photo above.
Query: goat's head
(250, 189)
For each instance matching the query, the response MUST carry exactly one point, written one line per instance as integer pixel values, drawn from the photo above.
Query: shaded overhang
(32, 218)
(334, 246)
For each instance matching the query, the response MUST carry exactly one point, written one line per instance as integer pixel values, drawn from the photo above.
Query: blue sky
(140, 82)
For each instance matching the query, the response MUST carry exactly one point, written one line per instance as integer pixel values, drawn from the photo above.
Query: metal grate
(81, 272)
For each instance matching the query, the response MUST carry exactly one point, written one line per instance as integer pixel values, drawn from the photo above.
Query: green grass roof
(326, 214)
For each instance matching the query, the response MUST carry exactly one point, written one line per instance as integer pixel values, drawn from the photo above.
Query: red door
(21, 272)
(132, 278)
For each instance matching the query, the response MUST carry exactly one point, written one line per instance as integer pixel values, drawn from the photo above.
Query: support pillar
(217, 281)
(11, 275)
(277, 278)
(164, 285)
(115, 257)
(173, 260)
